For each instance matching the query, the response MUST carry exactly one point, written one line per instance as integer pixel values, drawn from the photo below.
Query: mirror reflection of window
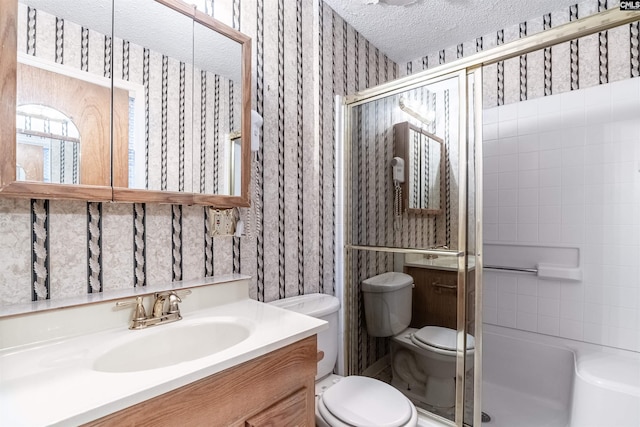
(48, 146)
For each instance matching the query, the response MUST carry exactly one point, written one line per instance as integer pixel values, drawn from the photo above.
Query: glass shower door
(409, 210)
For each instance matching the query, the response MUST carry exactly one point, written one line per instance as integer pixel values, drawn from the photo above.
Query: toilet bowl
(352, 400)
(424, 364)
(361, 401)
(423, 360)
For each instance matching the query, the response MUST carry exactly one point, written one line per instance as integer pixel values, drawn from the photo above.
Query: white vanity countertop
(52, 382)
(439, 263)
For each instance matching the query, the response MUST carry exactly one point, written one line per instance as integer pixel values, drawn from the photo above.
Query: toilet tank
(387, 303)
(321, 306)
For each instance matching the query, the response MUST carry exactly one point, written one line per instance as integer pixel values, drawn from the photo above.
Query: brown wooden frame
(118, 190)
(401, 149)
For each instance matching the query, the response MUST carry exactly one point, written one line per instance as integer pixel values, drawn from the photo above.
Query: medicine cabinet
(145, 101)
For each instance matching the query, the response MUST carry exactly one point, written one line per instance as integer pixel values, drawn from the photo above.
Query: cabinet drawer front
(290, 411)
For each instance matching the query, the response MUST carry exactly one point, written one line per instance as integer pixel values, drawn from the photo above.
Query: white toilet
(423, 360)
(352, 400)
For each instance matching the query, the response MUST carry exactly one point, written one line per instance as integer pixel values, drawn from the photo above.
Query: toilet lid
(439, 337)
(363, 401)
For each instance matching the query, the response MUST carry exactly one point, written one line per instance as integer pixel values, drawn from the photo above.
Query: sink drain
(486, 417)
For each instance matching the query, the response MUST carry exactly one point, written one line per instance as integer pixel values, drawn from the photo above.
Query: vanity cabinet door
(290, 411)
(275, 389)
(434, 297)
(434, 300)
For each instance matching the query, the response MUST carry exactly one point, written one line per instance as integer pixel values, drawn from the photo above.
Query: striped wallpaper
(303, 57)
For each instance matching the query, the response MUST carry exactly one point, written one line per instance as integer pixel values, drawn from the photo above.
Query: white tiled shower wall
(564, 170)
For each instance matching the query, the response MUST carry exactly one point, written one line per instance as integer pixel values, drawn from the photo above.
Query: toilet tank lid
(314, 305)
(386, 282)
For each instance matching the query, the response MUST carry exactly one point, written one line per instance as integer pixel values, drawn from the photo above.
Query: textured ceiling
(405, 33)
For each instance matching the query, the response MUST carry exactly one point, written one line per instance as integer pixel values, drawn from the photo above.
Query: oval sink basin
(167, 345)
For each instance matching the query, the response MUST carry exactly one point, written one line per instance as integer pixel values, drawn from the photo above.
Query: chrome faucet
(158, 306)
(434, 256)
(140, 320)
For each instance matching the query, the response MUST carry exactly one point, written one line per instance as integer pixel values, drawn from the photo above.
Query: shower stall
(412, 180)
(411, 203)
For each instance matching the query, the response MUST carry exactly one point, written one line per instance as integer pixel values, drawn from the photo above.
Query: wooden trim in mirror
(246, 122)
(175, 197)
(133, 195)
(92, 117)
(41, 190)
(8, 91)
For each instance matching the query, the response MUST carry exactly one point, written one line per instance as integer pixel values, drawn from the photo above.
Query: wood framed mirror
(423, 154)
(155, 89)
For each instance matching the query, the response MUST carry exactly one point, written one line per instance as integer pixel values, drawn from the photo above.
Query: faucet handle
(179, 293)
(174, 299)
(182, 293)
(139, 313)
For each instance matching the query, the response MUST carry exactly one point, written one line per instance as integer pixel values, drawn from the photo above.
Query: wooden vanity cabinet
(434, 300)
(276, 389)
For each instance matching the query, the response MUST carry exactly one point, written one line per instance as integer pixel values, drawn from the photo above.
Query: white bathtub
(534, 380)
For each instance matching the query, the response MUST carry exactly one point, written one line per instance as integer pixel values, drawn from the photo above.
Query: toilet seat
(440, 340)
(364, 401)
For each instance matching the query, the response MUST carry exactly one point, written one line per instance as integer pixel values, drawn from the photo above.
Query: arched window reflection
(48, 146)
